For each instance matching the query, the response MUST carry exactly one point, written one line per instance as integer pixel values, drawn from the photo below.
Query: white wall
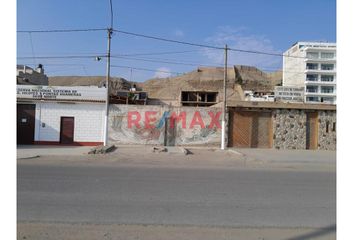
(293, 68)
(88, 121)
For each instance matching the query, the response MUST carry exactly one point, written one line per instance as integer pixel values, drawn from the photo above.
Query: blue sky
(270, 26)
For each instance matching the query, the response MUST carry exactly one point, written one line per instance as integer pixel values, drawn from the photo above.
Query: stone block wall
(289, 129)
(327, 138)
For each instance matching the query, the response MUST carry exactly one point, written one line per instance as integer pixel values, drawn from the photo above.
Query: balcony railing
(327, 80)
(312, 67)
(327, 68)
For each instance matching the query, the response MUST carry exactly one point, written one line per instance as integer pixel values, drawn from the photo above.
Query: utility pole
(224, 103)
(109, 32)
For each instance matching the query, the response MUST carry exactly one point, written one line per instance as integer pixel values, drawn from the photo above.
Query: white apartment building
(312, 65)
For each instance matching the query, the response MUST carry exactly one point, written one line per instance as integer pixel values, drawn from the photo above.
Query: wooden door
(262, 130)
(250, 129)
(67, 130)
(312, 130)
(25, 123)
(241, 129)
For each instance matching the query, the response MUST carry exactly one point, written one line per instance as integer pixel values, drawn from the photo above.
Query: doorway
(312, 130)
(67, 130)
(25, 123)
(250, 129)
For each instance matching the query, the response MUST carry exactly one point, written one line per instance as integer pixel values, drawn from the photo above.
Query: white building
(29, 76)
(312, 65)
(60, 115)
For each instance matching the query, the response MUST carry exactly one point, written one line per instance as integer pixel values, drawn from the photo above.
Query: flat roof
(282, 105)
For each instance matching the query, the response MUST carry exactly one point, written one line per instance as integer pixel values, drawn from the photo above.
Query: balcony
(327, 67)
(312, 79)
(320, 94)
(312, 89)
(312, 66)
(321, 70)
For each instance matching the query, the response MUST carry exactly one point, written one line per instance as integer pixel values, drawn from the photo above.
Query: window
(327, 78)
(327, 66)
(312, 66)
(198, 98)
(327, 55)
(327, 99)
(327, 89)
(312, 55)
(312, 89)
(311, 77)
(312, 99)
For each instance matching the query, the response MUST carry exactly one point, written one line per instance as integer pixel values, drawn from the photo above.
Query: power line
(168, 40)
(160, 61)
(63, 57)
(144, 60)
(63, 30)
(113, 56)
(158, 53)
(170, 61)
(204, 45)
(160, 39)
(146, 69)
(34, 59)
(57, 64)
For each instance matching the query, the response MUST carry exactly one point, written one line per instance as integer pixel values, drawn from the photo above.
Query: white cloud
(162, 72)
(237, 39)
(178, 33)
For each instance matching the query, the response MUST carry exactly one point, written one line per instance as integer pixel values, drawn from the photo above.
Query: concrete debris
(171, 150)
(159, 149)
(102, 149)
(186, 151)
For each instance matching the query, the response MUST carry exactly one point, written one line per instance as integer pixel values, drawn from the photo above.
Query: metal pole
(105, 141)
(224, 104)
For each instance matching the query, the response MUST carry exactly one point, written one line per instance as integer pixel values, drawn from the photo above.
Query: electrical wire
(63, 30)
(204, 45)
(160, 61)
(158, 53)
(63, 57)
(162, 39)
(34, 58)
(146, 69)
(146, 60)
(167, 40)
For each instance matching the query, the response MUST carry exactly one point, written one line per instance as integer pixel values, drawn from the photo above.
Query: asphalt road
(172, 196)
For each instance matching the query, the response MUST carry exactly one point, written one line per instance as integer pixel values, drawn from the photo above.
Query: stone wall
(160, 125)
(289, 129)
(327, 130)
